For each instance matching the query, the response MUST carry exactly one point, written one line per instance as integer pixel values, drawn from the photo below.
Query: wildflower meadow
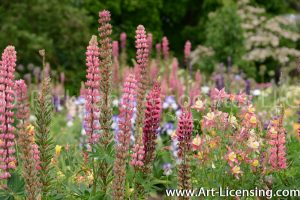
(217, 120)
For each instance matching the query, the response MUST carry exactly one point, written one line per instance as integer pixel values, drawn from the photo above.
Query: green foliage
(57, 26)
(225, 34)
(15, 188)
(43, 113)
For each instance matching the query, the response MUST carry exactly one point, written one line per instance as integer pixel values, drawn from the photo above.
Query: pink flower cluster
(187, 51)
(92, 92)
(165, 48)
(7, 149)
(184, 132)
(151, 122)
(142, 50)
(149, 42)
(36, 156)
(158, 51)
(115, 49)
(174, 83)
(22, 99)
(126, 112)
(123, 40)
(138, 155)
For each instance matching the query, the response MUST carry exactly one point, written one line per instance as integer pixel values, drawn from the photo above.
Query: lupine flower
(7, 149)
(123, 56)
(115, 49)
(43, 114)
(167, 167)
(28, 149)
(165, 48)
(158, 51)
(151, 123)
(154, 69)
(123, 40)
(149, 42)
(137, 156)
(115, 53)
(92, 91)
(105, 31)
(123, 136)
(196, 87)
(184, 136)
(173, 78)
(142, 55)
(170, 102)
(168, 128)
(187, 51)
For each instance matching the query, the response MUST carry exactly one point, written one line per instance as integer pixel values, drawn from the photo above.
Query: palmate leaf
(15, 189)
(103, 154)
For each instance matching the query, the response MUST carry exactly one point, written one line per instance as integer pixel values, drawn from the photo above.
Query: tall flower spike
(151, 124)
(187, 51)
(43, 114)
(92, 92)
(123, 40)
(30, 160)
(165, 48)
(123, 136)
(142, 54)
(7, 145)
(105, 31)
(123, 56)
(158, 52)
(184, 134)
(115, 53)
(149, 42)
(106, 137)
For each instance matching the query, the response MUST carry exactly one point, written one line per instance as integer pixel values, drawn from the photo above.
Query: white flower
(70, 123)
(115, 102)
(256, 92)
(205, 89)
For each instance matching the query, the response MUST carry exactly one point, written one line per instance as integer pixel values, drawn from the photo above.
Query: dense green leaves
(43, 113)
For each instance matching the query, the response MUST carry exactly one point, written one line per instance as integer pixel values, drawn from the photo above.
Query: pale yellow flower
(199, 105)
(232, 156)
(210, 116)
(251, 109)
(236, 170)
(196, 141)
(252, 143)
(58, 149)
(255, 163)
(253, 119)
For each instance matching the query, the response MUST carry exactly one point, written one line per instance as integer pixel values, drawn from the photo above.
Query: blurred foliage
(227, 41)
(63, 27)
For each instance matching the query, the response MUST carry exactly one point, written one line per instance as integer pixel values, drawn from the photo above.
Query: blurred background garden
(224, 71)
(63, 29)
